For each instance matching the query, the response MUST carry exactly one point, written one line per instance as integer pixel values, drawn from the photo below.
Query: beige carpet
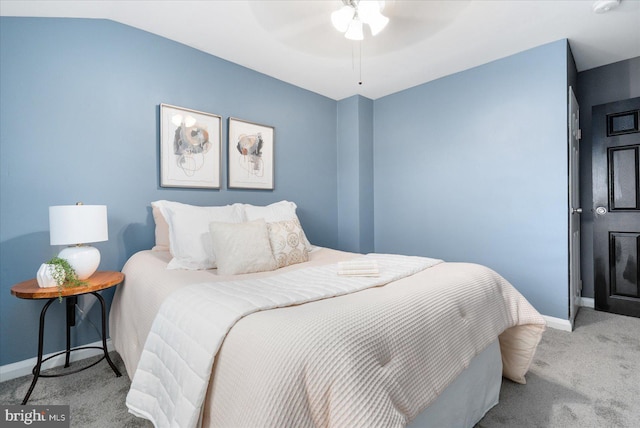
(589, 378)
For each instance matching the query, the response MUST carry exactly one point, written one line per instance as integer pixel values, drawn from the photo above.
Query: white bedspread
(172, 377)
(374, 358)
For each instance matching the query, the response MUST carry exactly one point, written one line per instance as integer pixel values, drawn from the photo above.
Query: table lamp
(77, 225)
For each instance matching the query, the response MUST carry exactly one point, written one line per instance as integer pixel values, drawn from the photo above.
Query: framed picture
(250, 155)
(190, 145)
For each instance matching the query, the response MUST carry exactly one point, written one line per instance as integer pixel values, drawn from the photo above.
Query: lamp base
(84, 259)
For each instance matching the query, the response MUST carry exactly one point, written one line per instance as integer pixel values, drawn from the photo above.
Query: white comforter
(377, 357)
(170, 383)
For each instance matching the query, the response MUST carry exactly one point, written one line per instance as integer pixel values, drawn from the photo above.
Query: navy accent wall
(355, 174)
(79, 122)
(606, 84)
(473, 167)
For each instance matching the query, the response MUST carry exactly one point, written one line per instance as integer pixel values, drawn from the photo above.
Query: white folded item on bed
(359, 267)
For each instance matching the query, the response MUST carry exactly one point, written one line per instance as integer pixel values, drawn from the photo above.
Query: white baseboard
(565, 325)
(557, 323)
(587, 302)
(24, 367)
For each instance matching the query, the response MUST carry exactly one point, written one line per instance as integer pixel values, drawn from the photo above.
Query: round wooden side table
(30, 290)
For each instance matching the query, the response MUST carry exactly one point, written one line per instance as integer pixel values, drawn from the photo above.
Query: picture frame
(190, 148)
(250, 155)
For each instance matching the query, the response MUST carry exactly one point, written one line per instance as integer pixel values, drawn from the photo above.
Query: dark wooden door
(616, 210)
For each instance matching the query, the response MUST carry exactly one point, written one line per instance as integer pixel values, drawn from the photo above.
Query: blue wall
(473, 167)
(355, 174)
(79, 122)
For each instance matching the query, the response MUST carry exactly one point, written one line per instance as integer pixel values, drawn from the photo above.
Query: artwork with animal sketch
(190, 148)
(250, 155)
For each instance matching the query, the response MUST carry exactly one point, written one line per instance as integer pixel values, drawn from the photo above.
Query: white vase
(44, 276)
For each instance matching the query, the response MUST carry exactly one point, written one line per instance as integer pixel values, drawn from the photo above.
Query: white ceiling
(294, 41)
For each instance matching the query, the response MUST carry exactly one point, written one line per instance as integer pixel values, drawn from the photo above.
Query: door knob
(576, 210)
(601, 210)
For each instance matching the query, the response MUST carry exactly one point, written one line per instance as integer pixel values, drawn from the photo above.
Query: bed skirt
(468, 398)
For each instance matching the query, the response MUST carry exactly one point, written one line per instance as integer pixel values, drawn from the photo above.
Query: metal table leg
(71, 302)
(36, 369)
(71, 321)
(104, 338)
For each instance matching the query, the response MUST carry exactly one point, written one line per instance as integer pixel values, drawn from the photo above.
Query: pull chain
(353, 60)
(360, 60)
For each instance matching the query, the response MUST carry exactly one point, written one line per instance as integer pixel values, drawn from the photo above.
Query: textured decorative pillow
(189, 239)
(242, 247)
(288, 242)
(278, 211)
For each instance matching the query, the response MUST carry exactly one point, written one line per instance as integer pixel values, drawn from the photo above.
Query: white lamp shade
(78, 224)
(75, 225)
(377, 23)
(342, 17)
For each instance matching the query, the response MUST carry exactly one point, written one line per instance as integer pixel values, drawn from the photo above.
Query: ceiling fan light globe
(355, 30)
(378, 24)
(342, 17)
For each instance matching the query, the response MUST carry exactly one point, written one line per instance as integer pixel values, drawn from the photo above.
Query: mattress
(240, 379)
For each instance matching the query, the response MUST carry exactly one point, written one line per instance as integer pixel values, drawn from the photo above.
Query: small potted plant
(57, 272)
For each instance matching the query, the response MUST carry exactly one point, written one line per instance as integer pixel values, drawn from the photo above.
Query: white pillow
(189, 239)
(242, 248)
(279, 211)
(162, 228)
(287, 242)
(283, 210)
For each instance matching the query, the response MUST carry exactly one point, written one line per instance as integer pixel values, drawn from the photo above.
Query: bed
(426, 349)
